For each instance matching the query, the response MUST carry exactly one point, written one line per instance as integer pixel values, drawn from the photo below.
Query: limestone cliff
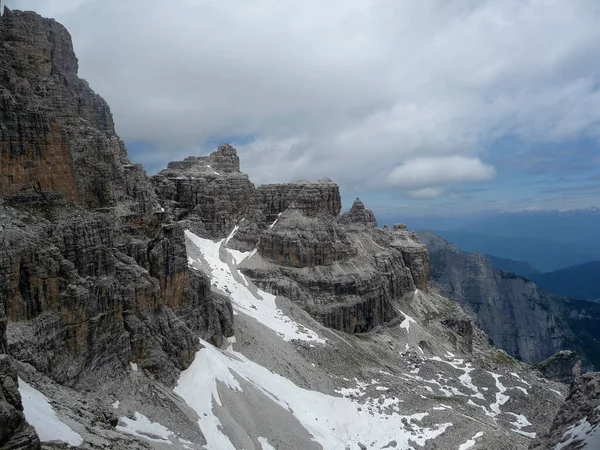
(93, 274)
(526, 322)
(342, 269)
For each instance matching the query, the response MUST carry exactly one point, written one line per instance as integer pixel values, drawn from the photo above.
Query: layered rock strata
(342, 269)
(93, 273)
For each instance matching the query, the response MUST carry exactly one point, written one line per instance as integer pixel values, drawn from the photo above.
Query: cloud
(426, 176)
(430, 192)
(339, 89)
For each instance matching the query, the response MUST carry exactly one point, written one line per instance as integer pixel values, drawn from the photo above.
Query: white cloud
(420, 173)
(342, 89)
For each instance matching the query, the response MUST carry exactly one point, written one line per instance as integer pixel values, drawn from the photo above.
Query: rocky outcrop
(313, 198)
(209, 193)
(358, 214)
(343, 270)
(57, 139)
(300, 241)
(15, 432)
(93, 274)
(561, 366)
(355, 279)
(577, 424)
(526, 322)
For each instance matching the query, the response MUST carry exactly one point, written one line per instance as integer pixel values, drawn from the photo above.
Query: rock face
(560, 366)
(57, 139)
(209, 192)
(93, 273)
(526, 322)
(577, 424)
(343, 270)
(15, 432)
(358, 214)
(316, 198)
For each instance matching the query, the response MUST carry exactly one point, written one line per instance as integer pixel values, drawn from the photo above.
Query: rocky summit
(193, 309)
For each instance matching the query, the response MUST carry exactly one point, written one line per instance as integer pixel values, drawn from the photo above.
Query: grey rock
(301, 241)
(93, 274)
(582, 406)
(346, 277)
(57, 138)
(526, 322)
(315, 256)
(560, 366)
(343, 270)
(313, 198)
(208, 193)
(360, 215)
(15, 432)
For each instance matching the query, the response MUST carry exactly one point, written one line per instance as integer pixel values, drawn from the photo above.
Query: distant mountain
(581, 281)
(510, 265)
(544, 254)
(547, 240)
(527, 322)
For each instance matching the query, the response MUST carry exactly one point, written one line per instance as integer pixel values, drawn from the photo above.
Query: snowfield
(144, 428)
(334, 422)
(40, 414)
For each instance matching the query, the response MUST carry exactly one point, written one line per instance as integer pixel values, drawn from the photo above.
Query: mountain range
(581, 281)
(546, 240)
(193, 309)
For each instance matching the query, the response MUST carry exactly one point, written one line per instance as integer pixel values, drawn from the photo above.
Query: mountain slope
(580, 282)
(526, 322)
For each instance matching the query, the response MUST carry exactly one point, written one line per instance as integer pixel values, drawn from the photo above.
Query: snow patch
(245, 297)
(501, 399)
(144, 428)
(407, 321)
(41, 416)
(471, 442)
(520, 423)
(465, 378)
(583, 433)
(273, 224)
(265, 444)
(214, 171)
(233, 232)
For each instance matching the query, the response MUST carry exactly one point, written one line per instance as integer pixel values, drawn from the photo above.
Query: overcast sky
(416, 106)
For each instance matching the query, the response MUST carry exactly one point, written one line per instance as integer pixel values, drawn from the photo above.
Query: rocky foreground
(195, 310)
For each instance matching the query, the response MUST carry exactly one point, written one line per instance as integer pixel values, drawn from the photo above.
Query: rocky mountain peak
(358, 214)
(91, 267)
(226, 158)
(46, 42)
(57, 139)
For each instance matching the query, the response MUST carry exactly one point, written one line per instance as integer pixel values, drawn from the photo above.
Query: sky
(417, 107)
